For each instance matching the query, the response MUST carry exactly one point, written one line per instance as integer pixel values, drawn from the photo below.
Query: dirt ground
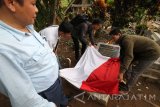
(146, 93)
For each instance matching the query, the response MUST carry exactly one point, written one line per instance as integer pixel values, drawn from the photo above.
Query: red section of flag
(104, 79)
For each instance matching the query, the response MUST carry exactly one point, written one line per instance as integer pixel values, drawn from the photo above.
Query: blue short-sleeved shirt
(27, 66)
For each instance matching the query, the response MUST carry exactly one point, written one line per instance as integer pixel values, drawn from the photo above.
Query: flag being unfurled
(94, 73)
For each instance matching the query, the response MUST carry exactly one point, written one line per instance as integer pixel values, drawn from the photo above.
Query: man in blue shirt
(28, 65)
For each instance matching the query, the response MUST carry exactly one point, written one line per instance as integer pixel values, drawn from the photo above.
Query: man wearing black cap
(138, 49)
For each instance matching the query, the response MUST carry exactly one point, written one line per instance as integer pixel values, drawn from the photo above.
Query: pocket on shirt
(37, 58)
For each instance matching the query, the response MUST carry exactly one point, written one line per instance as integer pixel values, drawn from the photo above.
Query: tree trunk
(69, 6)
(54, 12)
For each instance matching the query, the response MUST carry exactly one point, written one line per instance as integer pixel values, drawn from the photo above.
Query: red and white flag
(94, 73)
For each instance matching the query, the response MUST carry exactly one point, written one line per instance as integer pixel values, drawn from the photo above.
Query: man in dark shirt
(80, 32)
(134, 48)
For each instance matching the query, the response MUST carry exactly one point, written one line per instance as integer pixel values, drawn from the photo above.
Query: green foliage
(125, 11)
(122, 11)
(64, 3)
(110, 2)
(45, 13)
(139, 14)
(140, 29)
(47, 10)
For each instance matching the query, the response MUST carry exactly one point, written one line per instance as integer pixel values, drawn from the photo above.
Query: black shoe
(70, 98)
(123, 86)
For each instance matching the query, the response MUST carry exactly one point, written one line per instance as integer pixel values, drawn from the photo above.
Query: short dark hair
(19, 1)
(65, 27)
(114, 31)
(97, 21)
(1, 3)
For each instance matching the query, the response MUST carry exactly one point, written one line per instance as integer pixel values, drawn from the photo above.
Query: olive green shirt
(137, 48)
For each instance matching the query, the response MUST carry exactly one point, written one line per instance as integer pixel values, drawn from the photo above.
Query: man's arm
(16, 84)
(91, 35)
(128, 55)
(82, 30)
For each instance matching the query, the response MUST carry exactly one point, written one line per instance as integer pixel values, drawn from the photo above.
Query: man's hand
(90, 44)
(121, 77)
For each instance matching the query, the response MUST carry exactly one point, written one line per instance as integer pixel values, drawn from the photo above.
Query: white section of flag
(90, 60)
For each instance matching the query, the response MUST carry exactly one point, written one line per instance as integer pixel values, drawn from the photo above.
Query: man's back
(83, 28)
(141, 47)
(50, 34)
